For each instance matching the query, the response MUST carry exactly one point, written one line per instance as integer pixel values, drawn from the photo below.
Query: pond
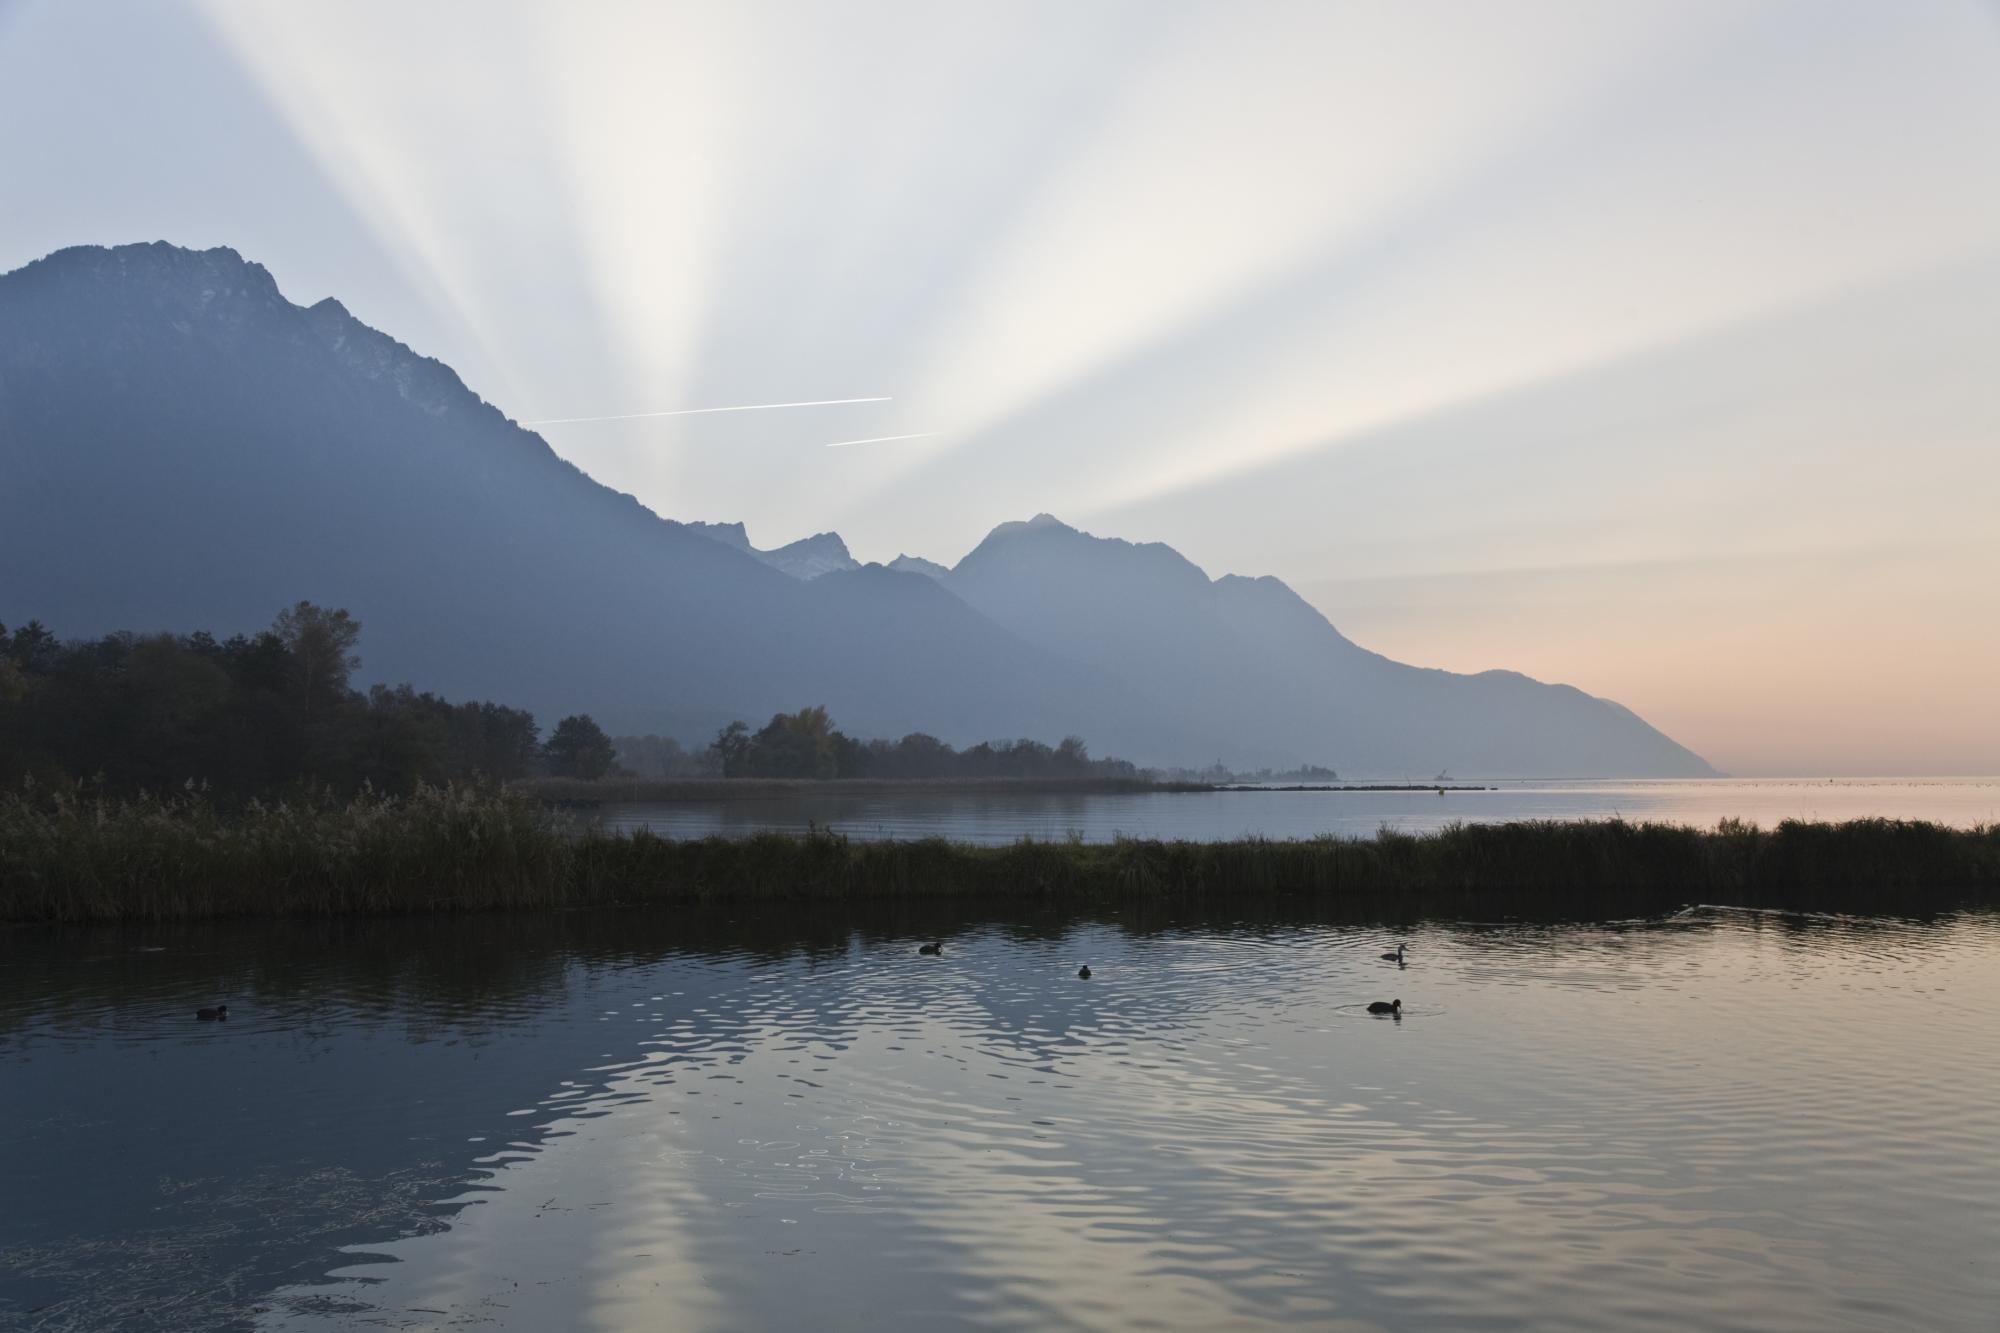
(1210, 816)
(627, 1120)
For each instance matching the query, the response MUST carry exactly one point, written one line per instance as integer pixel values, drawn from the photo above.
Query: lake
(1211, 816)
(621, 1120)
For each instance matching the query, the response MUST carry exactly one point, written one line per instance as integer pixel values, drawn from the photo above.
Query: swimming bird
(1386, 1007)
(1397, 956)
(931, 949)
(1084, 971)
(221, 1011)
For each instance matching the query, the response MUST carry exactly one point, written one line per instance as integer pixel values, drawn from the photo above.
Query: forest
(259, 713)
(252, 714)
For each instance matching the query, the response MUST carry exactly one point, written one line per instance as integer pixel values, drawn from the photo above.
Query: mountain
(729, 534)
(810, 557)
(916, 564)
(806, 558)
(1258, 664)
(181, 447)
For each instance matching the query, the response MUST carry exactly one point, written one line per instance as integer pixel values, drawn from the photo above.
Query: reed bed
(67, 856)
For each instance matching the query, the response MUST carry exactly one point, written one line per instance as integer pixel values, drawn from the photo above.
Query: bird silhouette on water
(1084, 971)
(215, 1015)
(931, 949)
(1387, 1007)
(1396, 957)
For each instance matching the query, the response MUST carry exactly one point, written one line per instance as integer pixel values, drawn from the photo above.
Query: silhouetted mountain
(1259, 665)
(806, 558)
(180, 446)
(183, 447)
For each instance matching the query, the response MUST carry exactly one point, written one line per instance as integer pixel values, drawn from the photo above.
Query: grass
(70, 857)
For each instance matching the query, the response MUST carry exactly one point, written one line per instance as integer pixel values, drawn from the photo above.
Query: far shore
(606, 791)
(613, 791)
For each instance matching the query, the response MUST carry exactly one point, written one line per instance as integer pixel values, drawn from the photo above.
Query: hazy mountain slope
(181, 447)
(1256, 663)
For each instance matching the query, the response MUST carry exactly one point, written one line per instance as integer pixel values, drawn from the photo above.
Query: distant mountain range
(182, 447)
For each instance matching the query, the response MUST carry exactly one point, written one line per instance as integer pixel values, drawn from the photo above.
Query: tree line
(255, 713)
(807, 744)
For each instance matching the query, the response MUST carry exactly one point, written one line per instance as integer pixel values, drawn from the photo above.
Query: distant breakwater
(69, 857)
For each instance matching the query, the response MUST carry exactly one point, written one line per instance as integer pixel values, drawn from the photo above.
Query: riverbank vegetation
(70, 856)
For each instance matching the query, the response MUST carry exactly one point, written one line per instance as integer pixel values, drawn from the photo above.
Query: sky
(1652, 348)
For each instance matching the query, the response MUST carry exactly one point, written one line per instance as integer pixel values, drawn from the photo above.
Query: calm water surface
(1215, 816)
(624, 1121)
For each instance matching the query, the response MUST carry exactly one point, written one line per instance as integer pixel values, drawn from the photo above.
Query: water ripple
(1722, 1120)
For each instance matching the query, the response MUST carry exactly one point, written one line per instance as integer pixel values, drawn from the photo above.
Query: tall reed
(67, 855)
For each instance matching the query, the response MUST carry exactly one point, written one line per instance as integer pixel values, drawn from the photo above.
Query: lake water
(625, 1121)
(1213, 816)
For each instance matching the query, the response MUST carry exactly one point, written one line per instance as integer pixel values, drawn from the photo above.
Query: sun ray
(702, 411)
(882, 439)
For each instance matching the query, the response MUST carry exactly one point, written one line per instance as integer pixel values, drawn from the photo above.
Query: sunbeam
(881, 439)
(1149, 264)
(1527, 467)
(702, 411)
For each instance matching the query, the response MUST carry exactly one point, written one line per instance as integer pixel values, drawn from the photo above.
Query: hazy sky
(1652, 348)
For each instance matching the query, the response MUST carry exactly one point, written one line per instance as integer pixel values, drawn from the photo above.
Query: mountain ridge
(1235, 640)
(202, 451)
(807, 558)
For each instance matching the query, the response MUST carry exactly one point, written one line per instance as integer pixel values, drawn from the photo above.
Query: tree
(578, 748)
(796, 745)
(503, 741)
(732, 748)
(34, 649)
(322, 646)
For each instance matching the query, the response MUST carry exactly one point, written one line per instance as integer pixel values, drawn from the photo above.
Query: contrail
(882, 439)
(699, 411)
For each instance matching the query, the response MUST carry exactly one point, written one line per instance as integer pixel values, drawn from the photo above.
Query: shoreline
(1439, 787)
(619, 791)
(578, 792)
(67, 859)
